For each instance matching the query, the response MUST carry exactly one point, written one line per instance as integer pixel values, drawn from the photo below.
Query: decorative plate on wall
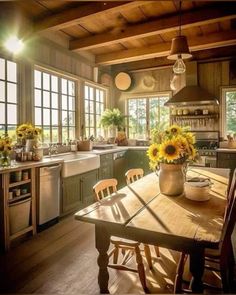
(123, 81)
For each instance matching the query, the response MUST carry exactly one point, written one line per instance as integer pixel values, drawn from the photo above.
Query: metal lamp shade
(179, 48)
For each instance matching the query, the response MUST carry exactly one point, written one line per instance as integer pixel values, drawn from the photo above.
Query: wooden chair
(128, 248)
(223, 257)
(131, 176)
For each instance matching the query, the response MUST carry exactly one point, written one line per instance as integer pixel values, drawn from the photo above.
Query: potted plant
(113, 120)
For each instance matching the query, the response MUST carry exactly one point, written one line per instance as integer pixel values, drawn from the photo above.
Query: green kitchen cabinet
(87, 181)
(71, 195)
(138, 159)
(226, 160)
(106, 166)
(77, 191)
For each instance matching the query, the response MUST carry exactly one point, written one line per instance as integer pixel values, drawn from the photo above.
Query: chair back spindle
(104, 188)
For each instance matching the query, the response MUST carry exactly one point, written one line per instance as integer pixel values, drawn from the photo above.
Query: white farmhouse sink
(75, 163)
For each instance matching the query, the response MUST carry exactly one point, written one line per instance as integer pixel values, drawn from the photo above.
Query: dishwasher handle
(49, 169)
(119, 155)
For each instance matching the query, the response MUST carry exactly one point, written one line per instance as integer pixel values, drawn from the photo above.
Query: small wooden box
(85, 145)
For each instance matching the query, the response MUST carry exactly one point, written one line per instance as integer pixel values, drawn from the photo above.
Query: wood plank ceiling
(132, 32)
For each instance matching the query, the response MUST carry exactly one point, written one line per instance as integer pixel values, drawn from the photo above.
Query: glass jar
(5, 160)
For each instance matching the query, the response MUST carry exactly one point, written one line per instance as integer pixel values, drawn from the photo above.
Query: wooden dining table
(140, 212)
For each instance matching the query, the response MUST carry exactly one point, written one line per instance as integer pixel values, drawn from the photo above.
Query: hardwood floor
(62, 260)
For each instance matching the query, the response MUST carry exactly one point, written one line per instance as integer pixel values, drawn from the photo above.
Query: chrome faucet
(53, 149)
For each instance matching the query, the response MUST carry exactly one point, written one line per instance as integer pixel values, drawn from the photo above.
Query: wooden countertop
(31, 164)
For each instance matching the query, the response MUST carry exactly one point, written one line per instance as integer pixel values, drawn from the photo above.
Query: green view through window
(8, 97)
(54, 106)
(145, 113)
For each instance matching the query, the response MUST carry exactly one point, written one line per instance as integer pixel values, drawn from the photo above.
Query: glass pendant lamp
(179, 49)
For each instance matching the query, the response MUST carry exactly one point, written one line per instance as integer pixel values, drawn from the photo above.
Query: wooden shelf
(19, 183)
(21, 232)
(15, 199)
(195, 116)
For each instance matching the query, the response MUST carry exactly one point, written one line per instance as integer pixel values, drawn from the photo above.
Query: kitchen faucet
(53, 149)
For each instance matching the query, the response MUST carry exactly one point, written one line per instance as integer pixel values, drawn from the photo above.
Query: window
(54, 106)
(8, 97)
(94, 105)
(145, 113)
(228, 111)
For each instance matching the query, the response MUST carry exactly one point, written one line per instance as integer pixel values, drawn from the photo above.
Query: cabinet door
(223, 160)
(71, 197)
(106, 166)
(87, 181)
(138, 159)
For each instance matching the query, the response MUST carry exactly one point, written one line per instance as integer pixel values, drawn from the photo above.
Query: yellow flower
(153, 152)
(193, 152)
(175, 129)
(170, 150)
(190, 137)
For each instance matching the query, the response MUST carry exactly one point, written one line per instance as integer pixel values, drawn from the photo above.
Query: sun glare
(14, 45)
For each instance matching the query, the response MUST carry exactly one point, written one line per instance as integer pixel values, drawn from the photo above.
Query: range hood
(192, 94)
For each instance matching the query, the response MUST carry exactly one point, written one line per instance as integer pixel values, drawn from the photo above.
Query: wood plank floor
(62, 260)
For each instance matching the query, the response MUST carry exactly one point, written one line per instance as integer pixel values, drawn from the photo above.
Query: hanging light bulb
(179, 49)
(179, 66)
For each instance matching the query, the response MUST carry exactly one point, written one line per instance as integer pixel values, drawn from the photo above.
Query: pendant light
(179, 49)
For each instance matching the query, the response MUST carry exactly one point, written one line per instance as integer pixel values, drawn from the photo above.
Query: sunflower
(175, 129)
(170, 150)
(153, 152)
(190, 137)
(193, 152)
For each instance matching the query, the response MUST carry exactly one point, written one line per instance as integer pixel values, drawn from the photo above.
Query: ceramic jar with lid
(179, 112)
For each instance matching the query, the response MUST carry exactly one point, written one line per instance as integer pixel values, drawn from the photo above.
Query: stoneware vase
(171, 179)
(30, 144)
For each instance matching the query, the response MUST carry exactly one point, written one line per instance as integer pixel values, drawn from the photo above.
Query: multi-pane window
(229, 111)
(146, 113)
(54, 105)
(8, 97)
(94, 105)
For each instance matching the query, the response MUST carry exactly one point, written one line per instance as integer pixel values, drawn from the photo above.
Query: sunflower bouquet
(174, 145)
(5, 150)
(5, 144)
(27, 131)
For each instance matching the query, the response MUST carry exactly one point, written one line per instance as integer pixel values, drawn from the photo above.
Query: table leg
(102, 244)
(197, 270)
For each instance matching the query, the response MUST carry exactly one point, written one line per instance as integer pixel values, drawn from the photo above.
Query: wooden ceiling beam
(221, 53)
(225, 38)
(163, 25)
(82, 13)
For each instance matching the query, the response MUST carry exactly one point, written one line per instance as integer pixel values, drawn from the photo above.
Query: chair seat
(124, 242)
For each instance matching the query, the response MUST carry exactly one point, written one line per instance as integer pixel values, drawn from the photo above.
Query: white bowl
(197, 191)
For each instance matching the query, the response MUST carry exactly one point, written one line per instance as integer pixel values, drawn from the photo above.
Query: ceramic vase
(31, 144)
(171, 179)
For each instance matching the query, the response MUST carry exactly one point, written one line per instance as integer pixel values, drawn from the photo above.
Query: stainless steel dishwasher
(49, 190)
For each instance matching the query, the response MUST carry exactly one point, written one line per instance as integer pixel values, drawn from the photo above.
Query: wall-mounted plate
(123, 81)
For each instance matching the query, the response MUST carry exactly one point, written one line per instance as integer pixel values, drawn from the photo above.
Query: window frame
(95, 87)
(146, 96)
(224, 90)
(60, 76)
(18, 92)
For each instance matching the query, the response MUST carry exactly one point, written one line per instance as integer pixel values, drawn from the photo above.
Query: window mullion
(147, 117)
(60, 110)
